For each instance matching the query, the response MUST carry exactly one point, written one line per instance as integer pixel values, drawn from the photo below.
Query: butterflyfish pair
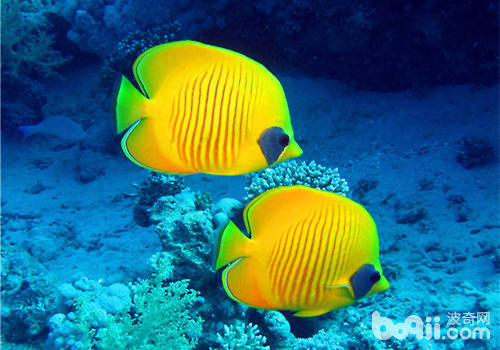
(309, 251)
(203, 109)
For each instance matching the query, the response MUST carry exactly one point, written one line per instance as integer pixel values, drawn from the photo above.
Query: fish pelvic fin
(344, 290)
(231, 245)
(130, 105)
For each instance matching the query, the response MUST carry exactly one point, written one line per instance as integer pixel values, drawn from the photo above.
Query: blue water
(401, 98)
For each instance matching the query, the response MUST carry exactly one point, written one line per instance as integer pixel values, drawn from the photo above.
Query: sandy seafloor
(406, 141)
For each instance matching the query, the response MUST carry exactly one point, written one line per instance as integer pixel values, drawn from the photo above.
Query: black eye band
(363, 280)
(272, 142)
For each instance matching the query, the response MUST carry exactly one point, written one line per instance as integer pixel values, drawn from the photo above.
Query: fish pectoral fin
(344, 290)
(311, 313)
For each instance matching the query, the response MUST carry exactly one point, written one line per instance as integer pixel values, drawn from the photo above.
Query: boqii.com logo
(460, 326)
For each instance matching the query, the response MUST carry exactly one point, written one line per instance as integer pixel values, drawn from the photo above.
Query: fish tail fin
(231, 245)
(130, 105)
(27, 130)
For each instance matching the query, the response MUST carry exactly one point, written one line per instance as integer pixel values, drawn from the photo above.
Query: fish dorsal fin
(338, 295)
(153, 66)
(282, 207)
(160, 64)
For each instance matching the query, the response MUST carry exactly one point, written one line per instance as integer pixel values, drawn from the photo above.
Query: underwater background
(395, 104)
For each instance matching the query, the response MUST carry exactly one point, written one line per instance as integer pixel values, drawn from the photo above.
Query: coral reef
(202, 200)
(149, 314)
(154, 187)
(376, 45)
(186, 223)
(226, 209)
(373, 45)
(88, 306)
(278, 330)
(336, 39)
(241, 336)
(138, 41)
(162, 311)
(186, 233)
(121, 57)
(29, 295)
(26, 39)
(296, 173)
(123, 25)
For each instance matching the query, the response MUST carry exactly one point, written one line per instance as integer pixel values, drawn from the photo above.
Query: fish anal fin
(338, 295)
(312, 313)
(241, 283)
(141, 146)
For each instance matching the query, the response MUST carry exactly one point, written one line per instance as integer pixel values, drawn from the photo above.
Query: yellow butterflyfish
(203, 109)
(309, 251)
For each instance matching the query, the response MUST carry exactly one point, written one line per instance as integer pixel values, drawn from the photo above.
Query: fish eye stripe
(272, 143)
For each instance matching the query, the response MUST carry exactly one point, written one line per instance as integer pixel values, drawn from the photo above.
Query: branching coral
(296, 173)
(136, 42)
(241, 336)
(161, 317)
(150, 314)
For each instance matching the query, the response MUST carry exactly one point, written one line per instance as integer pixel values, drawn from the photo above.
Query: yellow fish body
(310, 251)
(203, 109)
